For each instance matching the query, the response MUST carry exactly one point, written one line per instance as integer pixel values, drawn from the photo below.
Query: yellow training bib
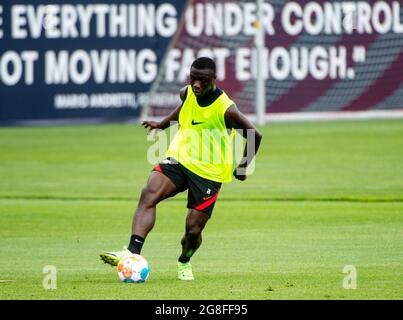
(202, 143)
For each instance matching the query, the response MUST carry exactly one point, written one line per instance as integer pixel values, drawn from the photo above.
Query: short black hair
(204, 63)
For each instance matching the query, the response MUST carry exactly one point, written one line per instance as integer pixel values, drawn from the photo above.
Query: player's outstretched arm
(236, 120)
(173, 116)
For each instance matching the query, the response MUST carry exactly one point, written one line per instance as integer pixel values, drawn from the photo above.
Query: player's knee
(194, 233)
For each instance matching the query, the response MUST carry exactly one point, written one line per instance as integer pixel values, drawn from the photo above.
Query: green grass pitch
(324, 195)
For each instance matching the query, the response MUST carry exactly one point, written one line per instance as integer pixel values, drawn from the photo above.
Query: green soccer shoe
(185, 271)
(113, 257)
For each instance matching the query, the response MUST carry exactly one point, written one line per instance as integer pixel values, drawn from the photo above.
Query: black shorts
(202, 192)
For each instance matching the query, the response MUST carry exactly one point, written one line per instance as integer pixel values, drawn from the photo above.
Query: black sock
(183, 258)
(136, 243)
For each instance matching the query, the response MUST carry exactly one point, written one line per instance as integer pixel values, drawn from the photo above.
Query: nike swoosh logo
(206, 198)
(194, 123)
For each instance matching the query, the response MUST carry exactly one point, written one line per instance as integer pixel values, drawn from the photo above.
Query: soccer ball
(133, 269)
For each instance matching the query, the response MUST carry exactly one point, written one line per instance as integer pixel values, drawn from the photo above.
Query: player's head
(202, 75)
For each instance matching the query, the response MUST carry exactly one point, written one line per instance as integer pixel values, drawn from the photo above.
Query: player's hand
(240, 173)
(150, 125)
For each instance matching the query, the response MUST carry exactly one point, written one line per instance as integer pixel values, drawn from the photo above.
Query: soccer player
(205, 111)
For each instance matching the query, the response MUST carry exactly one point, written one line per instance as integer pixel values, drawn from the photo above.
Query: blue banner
(81, 59)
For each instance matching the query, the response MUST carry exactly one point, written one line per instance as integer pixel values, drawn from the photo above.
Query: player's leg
(192, 239)
(201, 200)
(158, 188)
